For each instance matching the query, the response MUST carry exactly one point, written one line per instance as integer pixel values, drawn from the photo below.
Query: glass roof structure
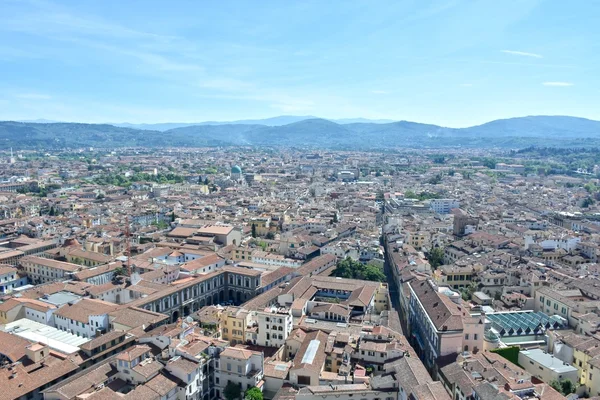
(524, 323)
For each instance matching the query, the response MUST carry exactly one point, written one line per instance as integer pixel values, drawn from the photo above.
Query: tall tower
(11, 160)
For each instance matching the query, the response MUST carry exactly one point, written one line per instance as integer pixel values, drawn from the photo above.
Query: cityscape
(299, 200)
(211, 273)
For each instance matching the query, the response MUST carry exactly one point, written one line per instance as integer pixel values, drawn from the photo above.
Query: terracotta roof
(83, 309)
(235, 352)
(12, 346)
(161, 384)
(133, 352)
(444, 314)
(134, 317)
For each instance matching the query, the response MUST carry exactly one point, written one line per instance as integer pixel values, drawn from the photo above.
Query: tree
(349, 268)
(587, 202)
(120, 271)
(564, 386)
(173, 216)
(437, 179)
(335, 218)
(270, 235)
(206, 181)
(467, 293)
(253, 230)
(232, 391)
(253, 393)
(556, 386)
(436, 257)
(568, 386)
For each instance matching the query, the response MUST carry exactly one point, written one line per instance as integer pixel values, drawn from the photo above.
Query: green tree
(253, 230)
(270, 235)
(173, 216)
(587, 202)
(437, 179)
(439, 160)
(335, 218)
(348, 268)
(436, 257)
(253, 393)
(555, 384)
(232, 391)
(568, 386)
(564, 386)
(467, 293)
(120, 271)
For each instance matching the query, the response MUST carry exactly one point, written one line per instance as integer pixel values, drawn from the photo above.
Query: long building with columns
(227, 284)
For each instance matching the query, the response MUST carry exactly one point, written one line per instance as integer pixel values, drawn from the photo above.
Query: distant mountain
(40, 121)
(345, 121)
(312, 132)
(274, 121)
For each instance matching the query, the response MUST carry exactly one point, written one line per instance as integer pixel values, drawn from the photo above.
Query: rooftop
(548, 360)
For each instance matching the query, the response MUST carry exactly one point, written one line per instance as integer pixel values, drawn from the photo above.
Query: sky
(452, 63)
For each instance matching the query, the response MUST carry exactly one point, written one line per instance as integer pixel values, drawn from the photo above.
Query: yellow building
(381, 299)
(262, 224)
(233, 323)
(453, 276)
(584, 358)
(417, 239)
(242, 254)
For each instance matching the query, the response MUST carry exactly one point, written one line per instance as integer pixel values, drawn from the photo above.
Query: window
(466, 336)
(228, 367)
(474, 336)
(239, 369)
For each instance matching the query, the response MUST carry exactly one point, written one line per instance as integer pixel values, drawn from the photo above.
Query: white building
(240, 366)
(443, 206)
(189, 373)
(43, 270)
(85, 318)
(274, 326)
(10, 279)
(276, 260)
(546, 366)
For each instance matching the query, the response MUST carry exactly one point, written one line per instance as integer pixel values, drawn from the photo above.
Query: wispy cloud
(560, 84)
(379, 91)
(33, 96)
(522, 53)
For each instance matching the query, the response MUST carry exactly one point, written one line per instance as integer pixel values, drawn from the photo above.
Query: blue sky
(454, 63)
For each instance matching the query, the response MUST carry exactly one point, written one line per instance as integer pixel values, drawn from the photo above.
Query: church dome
(236, 169)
